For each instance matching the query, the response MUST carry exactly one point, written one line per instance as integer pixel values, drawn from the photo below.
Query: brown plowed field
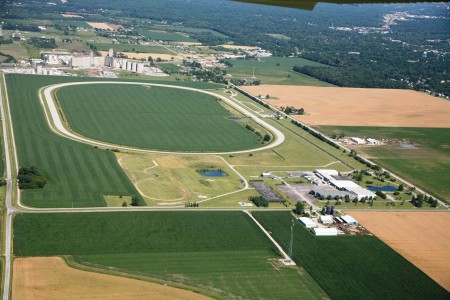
(359, 107)
(423, 238)
(50, 278)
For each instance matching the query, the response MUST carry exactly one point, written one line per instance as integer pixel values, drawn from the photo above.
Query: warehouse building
(324, 231)
(307, 222)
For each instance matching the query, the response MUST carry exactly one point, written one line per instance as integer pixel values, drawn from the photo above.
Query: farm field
(105, 26)
(174, 180)
(153, 118)
(426, 164)
(238, 262)
(53, 155)
(51, 278)
(361, 266)
(274, 70)
(188, 30)
(165, 36)
(360, 107)
(421, 237)
(132, 48)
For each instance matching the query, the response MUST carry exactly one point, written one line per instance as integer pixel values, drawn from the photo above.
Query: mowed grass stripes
(77, 175)
(153, 117)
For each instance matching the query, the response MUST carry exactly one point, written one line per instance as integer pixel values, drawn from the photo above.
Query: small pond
(212, 173)
(385, 188)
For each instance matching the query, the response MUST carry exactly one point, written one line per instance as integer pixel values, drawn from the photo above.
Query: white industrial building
(307, 222)
(358, 141)
(371, 141)
(349, 220)
(344, 185)
(324, 231)
(326, 220)
(57, 57)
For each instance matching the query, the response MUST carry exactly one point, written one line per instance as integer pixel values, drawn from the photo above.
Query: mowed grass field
(426, 165)
(170, 179)
(223, 254)
(274, 70)
(93, 172)
(153, 118)
(355, 267)
(129, 48)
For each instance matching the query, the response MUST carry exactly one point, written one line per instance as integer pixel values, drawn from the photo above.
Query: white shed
(324, 231)
(307, 222)
(349, 220)
(328, 219)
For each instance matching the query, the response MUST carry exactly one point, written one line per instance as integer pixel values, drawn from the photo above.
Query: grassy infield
(185, 248)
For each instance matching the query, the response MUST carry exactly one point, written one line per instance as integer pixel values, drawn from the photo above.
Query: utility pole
(291, 244)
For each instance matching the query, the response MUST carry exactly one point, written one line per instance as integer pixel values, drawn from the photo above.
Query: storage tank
(134, 66)
(140, 68)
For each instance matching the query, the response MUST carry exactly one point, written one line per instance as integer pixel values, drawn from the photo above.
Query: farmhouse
(349, 220)
(307, 222)
(324, 231)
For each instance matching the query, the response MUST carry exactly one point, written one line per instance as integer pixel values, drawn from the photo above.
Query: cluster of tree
(299, 208)
(30, 178)
(9, 58)
(259, 201)
(316, 134)
(257, 100)
(266, 138)
(381, 194)
(290, 110)
(20, 26)
(226, 62)
(418, 201)
(192, 204)
(47, 43)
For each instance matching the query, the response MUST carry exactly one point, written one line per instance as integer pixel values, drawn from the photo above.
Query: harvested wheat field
(421, 237)
(50, 278)
(359, 107)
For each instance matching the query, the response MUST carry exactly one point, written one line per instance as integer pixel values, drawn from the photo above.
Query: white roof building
(307, 222)
(352, 187)
(324, 231)
(373, 141)
(357, 140)
(349, 220)
(328, 219)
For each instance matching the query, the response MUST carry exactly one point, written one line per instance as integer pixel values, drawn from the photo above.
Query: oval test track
(56, 124)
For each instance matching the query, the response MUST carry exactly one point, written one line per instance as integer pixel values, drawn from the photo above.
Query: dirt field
(106, 26)
(360, 107)
(50, 278)
(146, 55)
(421, 237)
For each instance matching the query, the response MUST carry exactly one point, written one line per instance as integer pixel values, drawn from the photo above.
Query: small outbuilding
(327, 219)
(324, 231)
(349, 220)
(307, 222)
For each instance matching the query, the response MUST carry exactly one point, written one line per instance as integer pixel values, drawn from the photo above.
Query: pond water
(212, 173)
(385, 188)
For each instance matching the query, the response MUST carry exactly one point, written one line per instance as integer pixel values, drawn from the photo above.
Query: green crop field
(165, 36)
(223, 254)
(154, 118)
(93, 172)
(274, 70)
(355, 267)
(132, 48)
(427, 164)
(188, 30)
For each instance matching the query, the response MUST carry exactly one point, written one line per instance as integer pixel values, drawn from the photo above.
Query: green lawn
(154, 118)
(132, 48)
(427, 165)
(352, 267)
(274, 70)
(77, 175)
(165, 36)
(223, 254)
